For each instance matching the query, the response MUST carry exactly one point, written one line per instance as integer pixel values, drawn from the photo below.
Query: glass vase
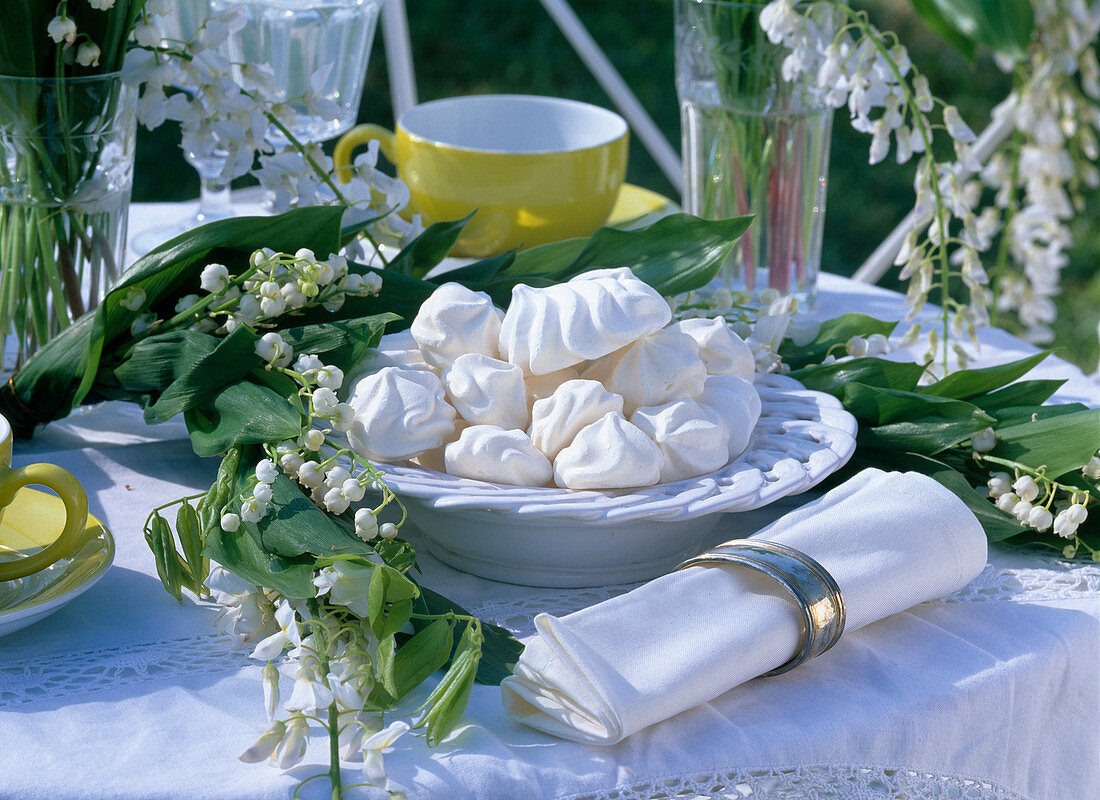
(753, 143)
(66, 168)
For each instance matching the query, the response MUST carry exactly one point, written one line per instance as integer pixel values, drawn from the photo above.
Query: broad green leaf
(294, 526)
(925, 437)
(1024, 393)
(423, 654)
(832, 378)
(241, 553)
(834, 332)
(233, 357)
(1062, 443)
(173, 268)
(429, 248)
(500, 650)
(480, 273)
(243, 413)
(157, 361)
(967, 383)
(1019, 414)
(884, 406)
(342, 344)
(675, 254)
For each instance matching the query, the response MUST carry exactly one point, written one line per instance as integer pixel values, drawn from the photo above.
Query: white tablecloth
(991, 693)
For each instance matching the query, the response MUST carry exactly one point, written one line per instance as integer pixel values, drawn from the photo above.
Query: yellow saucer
(34, 519)
(638, 207)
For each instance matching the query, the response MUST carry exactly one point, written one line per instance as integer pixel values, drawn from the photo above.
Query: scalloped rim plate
(38, 516)
(548, 536)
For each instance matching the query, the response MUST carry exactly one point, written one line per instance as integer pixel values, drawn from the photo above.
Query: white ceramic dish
(556, 537)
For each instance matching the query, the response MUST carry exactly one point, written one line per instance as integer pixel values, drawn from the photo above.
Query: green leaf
(294, 526)
(240, 552)
(832, 378)
(243, 413)
(230, 360)
(675, 254)
(157, 361)
(834, 332)
(429, 248)
(423, 654)
(967, 383)
(500, 650)
(173, 268)
(1019, 414)
(877, 406)
(1062, 443)
(925, 438)
(449, 698)
(1024, 393)
(343, 343)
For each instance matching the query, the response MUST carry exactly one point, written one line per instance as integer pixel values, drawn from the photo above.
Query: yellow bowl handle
(357, 137)
(70, 492)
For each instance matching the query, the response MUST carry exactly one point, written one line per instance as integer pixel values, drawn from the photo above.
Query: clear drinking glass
(319, 47)
(753, 143)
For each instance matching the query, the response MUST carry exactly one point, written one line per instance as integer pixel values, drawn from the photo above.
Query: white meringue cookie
(654, 370)
(692, 438)
(608, 454)
(456, 320)
(722, 350)
(434, 459)
(487, 391)
(402, 350)
(489, 453)
(540, 386)
(557, 419)
(588, 317)
(737, 405)
(399, 414)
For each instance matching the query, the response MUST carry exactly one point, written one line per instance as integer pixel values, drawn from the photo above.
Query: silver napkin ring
(812, 587)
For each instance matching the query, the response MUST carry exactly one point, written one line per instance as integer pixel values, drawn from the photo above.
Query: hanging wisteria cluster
(1038, 176)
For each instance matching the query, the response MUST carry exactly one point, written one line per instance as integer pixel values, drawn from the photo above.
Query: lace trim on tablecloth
(85, 672)
(1054, 580)
(808, 782)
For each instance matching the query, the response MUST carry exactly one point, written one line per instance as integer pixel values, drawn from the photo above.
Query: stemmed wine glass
(317, 49)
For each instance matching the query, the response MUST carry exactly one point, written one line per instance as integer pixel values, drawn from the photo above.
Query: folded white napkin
(891, 540)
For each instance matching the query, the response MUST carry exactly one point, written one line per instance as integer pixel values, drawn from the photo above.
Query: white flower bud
(336, 476)
(1007, 501)
(1092, 469)
(353, 490)
(87, 55)
(330, 377)
(344, 417)
(263, 493)
(272, 306)
(1064, 526)
(366, 524)
(272, 349)
(983, 441)
(335, 502)
(877, 344)
(230, 522)
(265, 471)
(1039, 518)
(313, 440)
(292, 748)
(290, 463)
(387, 530)
(1022, 510)
(1076, 513)
(134, 298)
(324, 402)
(61, 29)
(1026, 488)
(307, 365)
(956, 128)
(856, 346)
(214, 278)
(310, 474)
(270, 678)
(999, 483)
(252, 510)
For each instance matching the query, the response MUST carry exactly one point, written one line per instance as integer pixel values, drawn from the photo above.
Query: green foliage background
(482, 46)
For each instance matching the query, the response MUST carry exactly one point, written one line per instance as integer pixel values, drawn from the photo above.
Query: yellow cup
(15, 562)
(536, 169)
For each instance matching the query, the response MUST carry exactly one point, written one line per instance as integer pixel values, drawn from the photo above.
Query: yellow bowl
(536, 169)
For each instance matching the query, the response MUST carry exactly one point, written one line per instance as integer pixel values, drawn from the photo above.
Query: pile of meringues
(583, 384)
